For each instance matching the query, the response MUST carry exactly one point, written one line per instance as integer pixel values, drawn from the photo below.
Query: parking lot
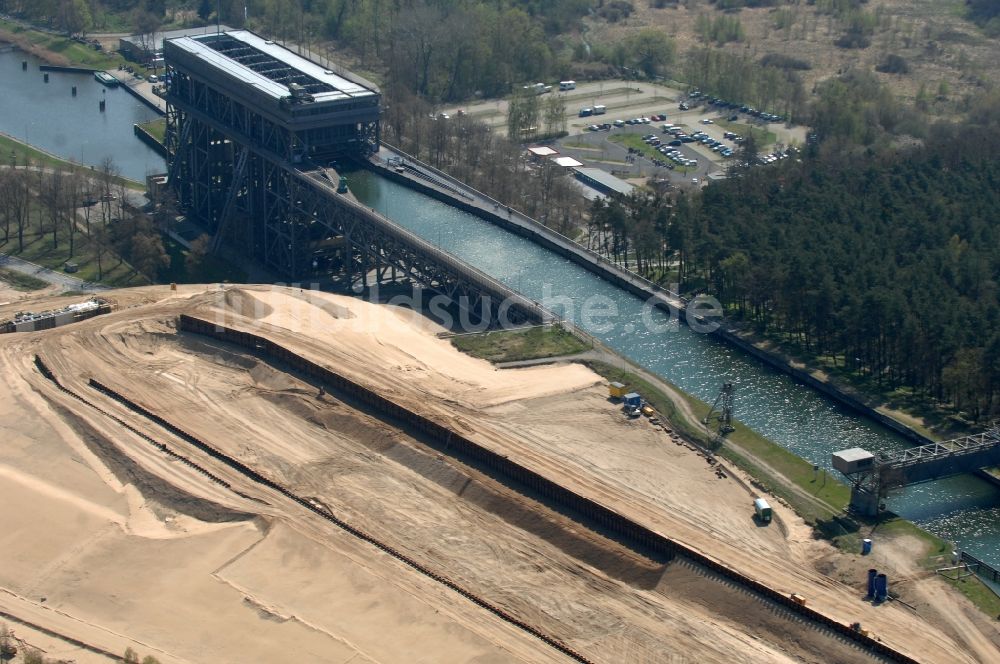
(622, 151)
(623, 100)
(629, 100)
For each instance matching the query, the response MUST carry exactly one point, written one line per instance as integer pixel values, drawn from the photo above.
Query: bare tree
(107, 175)
(555, 114)
(71, 203)
(6, 204)
(50, 195)
(20, 201)
(100, 239)
(146, 24)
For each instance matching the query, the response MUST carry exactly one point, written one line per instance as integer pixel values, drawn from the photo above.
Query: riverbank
(819, 499)
(431, 182)
(56, 49)
(18, 153)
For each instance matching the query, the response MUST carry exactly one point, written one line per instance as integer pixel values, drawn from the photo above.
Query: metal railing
(451, 263)
(958, 447)
(545, 230)
(981, 568)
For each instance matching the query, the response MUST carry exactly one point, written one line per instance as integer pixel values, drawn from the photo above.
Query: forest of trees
(882, 259)
(886, 262)
(985, 13)
(469, 151)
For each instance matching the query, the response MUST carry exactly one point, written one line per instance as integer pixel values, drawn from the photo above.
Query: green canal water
(962, 509)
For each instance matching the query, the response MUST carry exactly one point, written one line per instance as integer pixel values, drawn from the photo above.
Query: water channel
(963, 509)
(48, 116)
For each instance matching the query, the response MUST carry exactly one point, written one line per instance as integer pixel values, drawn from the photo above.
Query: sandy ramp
(403, 344)
(146, 548)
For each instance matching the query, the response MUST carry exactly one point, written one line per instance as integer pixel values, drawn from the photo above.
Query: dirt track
(260, 574)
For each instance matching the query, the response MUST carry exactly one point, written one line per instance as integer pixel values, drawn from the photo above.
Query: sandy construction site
(117, 532)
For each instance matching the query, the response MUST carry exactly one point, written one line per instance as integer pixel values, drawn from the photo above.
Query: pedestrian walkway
(529, 227)
(64, 281)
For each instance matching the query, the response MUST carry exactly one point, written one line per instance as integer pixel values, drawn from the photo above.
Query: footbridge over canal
(873, 477)
(252, 128)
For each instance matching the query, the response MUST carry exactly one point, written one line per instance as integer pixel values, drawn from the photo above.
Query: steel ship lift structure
(252, 129)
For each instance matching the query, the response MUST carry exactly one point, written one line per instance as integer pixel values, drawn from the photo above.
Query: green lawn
(635, 141)
(14, 151)
(978, 594)
(39, 249)
(21, 282)
(158, 128)
(74, 53)
(516, 345)
(765, 138)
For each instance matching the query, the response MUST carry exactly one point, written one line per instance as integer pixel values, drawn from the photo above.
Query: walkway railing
(982, 569)
(543, 229)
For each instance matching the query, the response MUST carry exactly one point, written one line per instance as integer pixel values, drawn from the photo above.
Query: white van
(600, 110)
(567, 85)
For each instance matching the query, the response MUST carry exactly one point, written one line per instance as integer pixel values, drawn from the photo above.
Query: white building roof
(854, 454)
(606, 180)
(567, 162)
(343, 88)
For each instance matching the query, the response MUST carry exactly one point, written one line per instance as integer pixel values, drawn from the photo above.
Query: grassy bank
(518, 345)
(39, 249)
(157, 129)
(816, 496)
(57, 49)
(13, 151)
(22, 282)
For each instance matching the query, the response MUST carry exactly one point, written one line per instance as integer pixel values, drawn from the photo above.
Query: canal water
(49, 117)
(963, 509)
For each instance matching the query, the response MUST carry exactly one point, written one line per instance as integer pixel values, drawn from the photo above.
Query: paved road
(64, 281)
